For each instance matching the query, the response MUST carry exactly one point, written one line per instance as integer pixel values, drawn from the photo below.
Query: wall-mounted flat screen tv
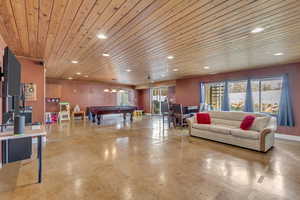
(12, 74)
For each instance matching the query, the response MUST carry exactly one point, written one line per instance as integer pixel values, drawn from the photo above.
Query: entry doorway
(158, 95)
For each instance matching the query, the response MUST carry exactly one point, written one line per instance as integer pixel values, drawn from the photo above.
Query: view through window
(214, 95)
(265, 93)
(237, 95)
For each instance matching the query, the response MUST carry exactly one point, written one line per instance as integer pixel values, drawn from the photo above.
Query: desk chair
(179, 116)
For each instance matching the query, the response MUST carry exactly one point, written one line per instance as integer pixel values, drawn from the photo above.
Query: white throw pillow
(260, 123)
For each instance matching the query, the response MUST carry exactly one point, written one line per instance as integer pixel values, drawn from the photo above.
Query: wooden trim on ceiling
(156, 84)
(30, 58)
(142, 33)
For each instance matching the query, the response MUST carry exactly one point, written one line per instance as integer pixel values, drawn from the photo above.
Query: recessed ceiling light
(78, 73)
(175, 70)
(74, 61)
(206, 67)
(128, 70)
(105, 54)
(106, 90)
(170, 57)
(70, 78)
(113, 90)
(257, 30)
(278, 54)
(86, 76)
(101, 36)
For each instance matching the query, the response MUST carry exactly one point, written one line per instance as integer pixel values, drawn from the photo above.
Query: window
(265, 93)
(214, 95)
(123, 98)
(237, 95)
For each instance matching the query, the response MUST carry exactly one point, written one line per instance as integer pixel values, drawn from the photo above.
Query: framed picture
(30, 91)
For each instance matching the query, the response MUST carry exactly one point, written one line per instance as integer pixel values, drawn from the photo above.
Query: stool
(138, 113)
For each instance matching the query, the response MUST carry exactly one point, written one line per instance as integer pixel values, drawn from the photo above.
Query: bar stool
(138, 113)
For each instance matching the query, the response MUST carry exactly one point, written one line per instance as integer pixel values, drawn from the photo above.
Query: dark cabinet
(16, 149)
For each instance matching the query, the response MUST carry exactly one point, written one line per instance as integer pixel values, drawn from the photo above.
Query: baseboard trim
(287, 137)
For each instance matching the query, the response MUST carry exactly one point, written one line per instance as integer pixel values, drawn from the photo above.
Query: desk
(29, 133)
(190, 109)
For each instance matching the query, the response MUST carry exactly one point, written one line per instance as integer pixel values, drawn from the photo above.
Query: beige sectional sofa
(225, 129)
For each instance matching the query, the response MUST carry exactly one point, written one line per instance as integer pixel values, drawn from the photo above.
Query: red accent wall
(85, 93)
(34, 72)
(187, 90)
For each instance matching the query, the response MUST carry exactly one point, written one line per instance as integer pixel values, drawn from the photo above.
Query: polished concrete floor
(145, 161)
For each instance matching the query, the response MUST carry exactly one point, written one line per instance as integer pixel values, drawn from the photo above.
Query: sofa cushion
(260, 123)
(203, 118)
(225, 122)
(247, 122)
(220, 129)
(201, 126)
(233, 115)
(245, 134)
(229, 115)
(218, 114)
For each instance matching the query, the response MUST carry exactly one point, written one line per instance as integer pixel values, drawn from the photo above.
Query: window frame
(120, 96)
(232, 81)
(210, 96)
(270, 78)
(260, 91)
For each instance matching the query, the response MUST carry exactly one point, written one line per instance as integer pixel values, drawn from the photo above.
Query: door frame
(151, 92)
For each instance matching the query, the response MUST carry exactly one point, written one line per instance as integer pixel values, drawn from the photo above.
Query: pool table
(98, 111)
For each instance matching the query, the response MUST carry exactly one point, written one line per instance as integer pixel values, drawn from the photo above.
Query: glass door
(155, 99)
(158, 95)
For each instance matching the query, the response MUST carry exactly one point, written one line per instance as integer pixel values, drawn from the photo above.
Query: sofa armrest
(190, 122)
(272, 125)
(269, 129)
(265, 132)
(263, 137)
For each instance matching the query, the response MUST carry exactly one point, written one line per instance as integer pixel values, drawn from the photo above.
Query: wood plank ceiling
(141, 34)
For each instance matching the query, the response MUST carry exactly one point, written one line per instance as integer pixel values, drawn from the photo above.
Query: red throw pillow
(247, 122)
(203, 118)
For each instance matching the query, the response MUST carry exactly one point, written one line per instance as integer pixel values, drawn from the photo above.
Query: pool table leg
(94, 118)
(131, 116)
(98, 119)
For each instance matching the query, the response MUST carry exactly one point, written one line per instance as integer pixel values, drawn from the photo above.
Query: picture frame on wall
(30, 92)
